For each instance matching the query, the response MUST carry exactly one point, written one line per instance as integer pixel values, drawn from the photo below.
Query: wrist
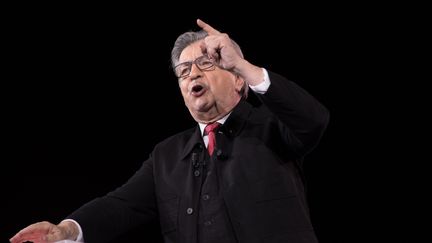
(70, 229)
(251, 74)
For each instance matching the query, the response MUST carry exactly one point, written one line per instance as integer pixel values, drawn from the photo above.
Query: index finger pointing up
(207, 28)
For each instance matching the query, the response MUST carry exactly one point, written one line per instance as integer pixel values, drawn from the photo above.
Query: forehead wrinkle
(193, 51)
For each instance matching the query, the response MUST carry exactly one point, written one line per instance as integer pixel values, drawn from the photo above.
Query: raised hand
(228, 55)
(219, 46)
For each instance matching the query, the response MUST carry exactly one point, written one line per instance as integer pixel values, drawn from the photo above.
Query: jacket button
(189, 211)
(197, 173)
(207, 223)
(219, 153)
(206, 197)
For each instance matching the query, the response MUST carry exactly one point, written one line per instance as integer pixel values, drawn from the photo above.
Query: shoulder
(177, 140)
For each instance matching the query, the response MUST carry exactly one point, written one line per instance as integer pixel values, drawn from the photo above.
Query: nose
(195, 72)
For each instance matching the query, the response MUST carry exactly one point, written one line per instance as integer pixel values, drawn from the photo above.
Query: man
(236, 177)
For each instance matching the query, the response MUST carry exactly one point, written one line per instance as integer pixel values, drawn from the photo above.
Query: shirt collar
(231, 127)
(221, 121)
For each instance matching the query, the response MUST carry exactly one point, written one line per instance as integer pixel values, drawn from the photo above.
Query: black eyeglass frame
(204, 63)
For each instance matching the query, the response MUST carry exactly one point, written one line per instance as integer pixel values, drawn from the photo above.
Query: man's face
(208, 94)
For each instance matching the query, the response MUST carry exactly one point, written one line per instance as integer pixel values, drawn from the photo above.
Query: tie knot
(211, 127)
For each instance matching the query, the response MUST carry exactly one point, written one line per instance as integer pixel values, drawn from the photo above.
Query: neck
(214, 113)
(210, 118)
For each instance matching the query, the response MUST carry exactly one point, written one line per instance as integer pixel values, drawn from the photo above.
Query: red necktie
(209, 130)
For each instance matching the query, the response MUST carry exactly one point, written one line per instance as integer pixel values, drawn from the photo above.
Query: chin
(200, 105)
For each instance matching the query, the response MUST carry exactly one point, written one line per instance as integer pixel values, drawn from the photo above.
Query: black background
(88, 91)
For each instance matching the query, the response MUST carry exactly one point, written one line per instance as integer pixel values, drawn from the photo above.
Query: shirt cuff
(263, 86)
(80, 237)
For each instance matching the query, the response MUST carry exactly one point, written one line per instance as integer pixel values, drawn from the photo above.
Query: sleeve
(299, 112)
(124, 209)
(263, 86)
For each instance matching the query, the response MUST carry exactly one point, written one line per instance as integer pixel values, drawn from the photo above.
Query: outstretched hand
(44, 232)
(219, 47)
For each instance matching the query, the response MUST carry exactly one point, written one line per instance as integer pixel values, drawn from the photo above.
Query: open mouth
(197, 90)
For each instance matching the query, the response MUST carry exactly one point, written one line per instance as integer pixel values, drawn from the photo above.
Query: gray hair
(190, 37)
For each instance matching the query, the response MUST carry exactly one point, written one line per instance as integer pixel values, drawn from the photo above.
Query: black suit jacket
(259, 157)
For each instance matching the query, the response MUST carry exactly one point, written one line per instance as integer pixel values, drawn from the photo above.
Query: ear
(239, 82)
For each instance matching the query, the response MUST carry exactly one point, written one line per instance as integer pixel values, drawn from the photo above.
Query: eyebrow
(191, 60)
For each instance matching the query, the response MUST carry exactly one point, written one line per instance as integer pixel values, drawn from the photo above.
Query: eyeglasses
(203, 63)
